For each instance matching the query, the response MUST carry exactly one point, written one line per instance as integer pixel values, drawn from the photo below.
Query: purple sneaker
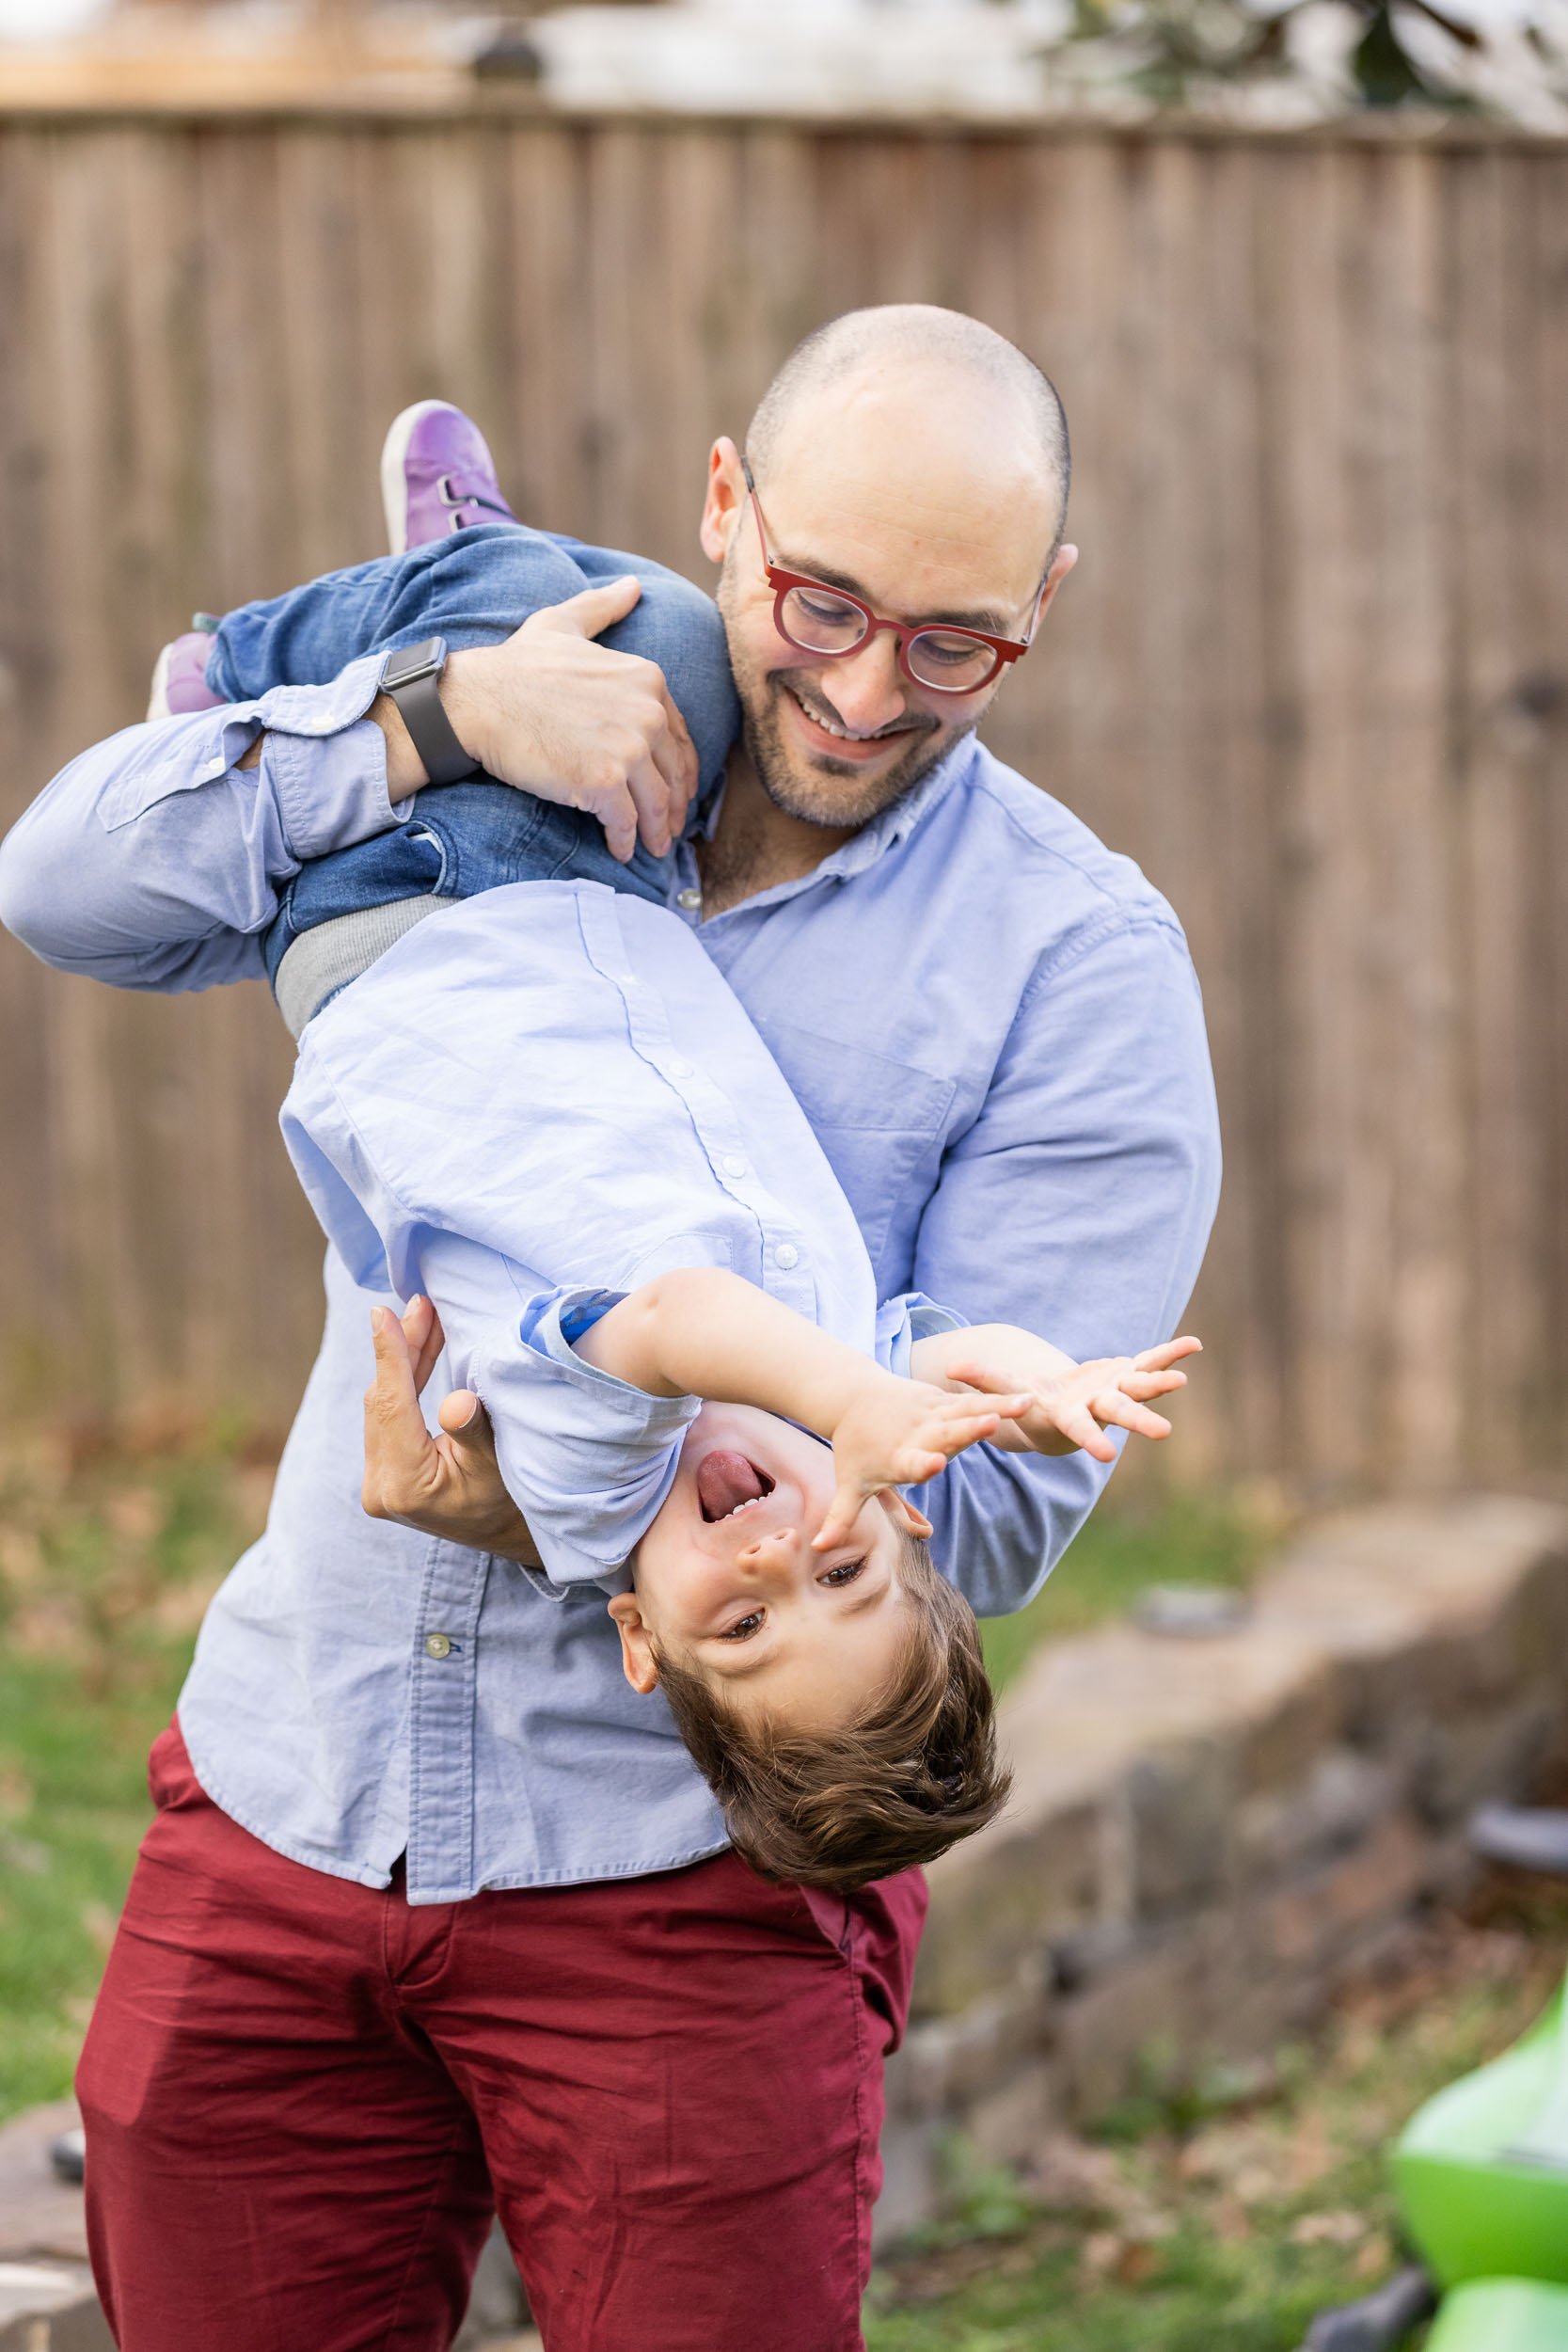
(436, 475)
(180, 677)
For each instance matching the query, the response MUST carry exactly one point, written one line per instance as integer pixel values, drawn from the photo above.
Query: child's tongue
(724, 1481)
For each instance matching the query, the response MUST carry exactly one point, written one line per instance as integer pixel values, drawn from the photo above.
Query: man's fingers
(421, 1329)
(676, 763)
(617, 812)
(392, 1389)
(591, 611)
(650, 796)
(468, 1424)
(396, 1438)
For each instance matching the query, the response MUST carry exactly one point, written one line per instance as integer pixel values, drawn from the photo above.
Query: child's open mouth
(727, 1483)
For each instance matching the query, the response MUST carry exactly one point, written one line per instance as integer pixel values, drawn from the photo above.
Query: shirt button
(437, 1645)
(787, 1255)
(681, 1070)
(733, 1165)
(689, 899)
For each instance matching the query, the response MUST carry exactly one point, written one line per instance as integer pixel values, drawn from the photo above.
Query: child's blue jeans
(473, 588)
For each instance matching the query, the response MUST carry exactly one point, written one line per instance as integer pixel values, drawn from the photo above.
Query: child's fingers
(999, 1405)
(1118, 1410)
(1143, 1385)
(1080, 1427)
(844, 1510)
(963, 1430)
(986, 1377)
(1169, 1352)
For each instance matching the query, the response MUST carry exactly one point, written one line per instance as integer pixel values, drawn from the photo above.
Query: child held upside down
(524, 1090)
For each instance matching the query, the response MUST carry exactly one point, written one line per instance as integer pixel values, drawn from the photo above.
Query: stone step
(50, 2307)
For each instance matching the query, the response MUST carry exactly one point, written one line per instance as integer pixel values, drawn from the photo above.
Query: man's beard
(815, 788)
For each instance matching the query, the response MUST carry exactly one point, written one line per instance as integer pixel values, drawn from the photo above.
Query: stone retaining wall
(1206, 1834)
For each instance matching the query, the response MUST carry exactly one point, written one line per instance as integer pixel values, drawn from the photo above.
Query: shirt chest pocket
(882, 1123)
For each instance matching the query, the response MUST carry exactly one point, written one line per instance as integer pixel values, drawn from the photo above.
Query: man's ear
(1065, 560)
(637, 1651)
(725, 501)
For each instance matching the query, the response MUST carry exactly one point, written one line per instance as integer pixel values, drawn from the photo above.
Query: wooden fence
(1312, 671)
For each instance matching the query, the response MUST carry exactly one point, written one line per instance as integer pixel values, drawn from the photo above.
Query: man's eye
(844, 1573)
(835, 611)
(743, 1628)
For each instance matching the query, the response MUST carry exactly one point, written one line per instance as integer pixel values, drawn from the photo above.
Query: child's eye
(743, 1628)
(844, 1573)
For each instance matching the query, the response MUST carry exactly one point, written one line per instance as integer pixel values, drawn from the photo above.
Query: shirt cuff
(903, 1320)
(327, 762)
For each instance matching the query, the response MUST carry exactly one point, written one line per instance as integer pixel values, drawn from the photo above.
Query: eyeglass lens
(818, 622)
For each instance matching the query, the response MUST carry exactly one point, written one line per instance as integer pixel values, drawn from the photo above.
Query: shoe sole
(157, 701)
(394, 489)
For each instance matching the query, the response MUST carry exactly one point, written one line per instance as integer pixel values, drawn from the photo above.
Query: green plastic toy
(1482, 2173)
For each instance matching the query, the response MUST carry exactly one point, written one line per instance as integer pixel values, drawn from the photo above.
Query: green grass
(1182, 1539)
(107, 1557)
(1222, 2223)
(106, 1566)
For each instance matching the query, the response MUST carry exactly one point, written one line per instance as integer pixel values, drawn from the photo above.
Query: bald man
(434, 1916)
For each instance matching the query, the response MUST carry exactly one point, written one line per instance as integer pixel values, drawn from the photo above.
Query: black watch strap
(412, 676)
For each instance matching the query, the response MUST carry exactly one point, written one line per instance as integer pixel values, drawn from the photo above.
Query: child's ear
(905, 1517)
(637, 1651)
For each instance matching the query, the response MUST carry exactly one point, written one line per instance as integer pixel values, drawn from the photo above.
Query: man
(430, 1917)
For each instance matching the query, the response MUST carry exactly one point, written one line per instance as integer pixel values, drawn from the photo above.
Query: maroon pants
(304, 2098)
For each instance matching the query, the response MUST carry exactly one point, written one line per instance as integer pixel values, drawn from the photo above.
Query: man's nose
(867, 688)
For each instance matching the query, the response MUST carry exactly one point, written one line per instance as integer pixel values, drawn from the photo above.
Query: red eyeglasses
(829, 623)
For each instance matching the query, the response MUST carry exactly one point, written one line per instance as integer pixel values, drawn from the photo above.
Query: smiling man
(434, 1915)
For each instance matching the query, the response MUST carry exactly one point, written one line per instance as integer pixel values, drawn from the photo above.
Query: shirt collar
(881, 833)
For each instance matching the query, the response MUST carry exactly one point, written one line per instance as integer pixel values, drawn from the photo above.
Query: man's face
(928, 506)
(727, 1582)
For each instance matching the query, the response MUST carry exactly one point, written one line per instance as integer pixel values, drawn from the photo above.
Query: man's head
(836, 1701)
(915, 458)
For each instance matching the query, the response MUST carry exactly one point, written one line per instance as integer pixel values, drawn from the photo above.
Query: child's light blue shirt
(538, 1099)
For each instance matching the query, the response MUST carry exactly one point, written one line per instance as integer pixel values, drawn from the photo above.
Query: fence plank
(1310, 671)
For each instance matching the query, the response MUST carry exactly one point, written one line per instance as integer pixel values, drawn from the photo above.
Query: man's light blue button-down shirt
(992, 1024)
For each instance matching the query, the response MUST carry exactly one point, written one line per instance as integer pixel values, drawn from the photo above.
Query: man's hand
(1075, 1406)
(570, 720)
(900, 1433)
(449, 1485)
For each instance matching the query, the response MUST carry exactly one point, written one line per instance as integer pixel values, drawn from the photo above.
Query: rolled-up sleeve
(154, 861)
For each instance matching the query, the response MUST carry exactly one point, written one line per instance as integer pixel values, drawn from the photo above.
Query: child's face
(728, 1584)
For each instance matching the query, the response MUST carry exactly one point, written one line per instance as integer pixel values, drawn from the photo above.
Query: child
(541, 1106)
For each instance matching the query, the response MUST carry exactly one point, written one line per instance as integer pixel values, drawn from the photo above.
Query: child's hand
(900, 1433)
(1074, 1407)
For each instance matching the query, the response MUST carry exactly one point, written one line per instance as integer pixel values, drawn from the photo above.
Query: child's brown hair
(899, 1784)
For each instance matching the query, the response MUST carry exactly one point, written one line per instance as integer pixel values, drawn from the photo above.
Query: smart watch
(411, 676)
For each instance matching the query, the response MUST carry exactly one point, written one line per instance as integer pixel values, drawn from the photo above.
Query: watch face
(414, 662)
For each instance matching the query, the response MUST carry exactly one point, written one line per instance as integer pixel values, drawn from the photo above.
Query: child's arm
(1072, 1405)
(702, 1332)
